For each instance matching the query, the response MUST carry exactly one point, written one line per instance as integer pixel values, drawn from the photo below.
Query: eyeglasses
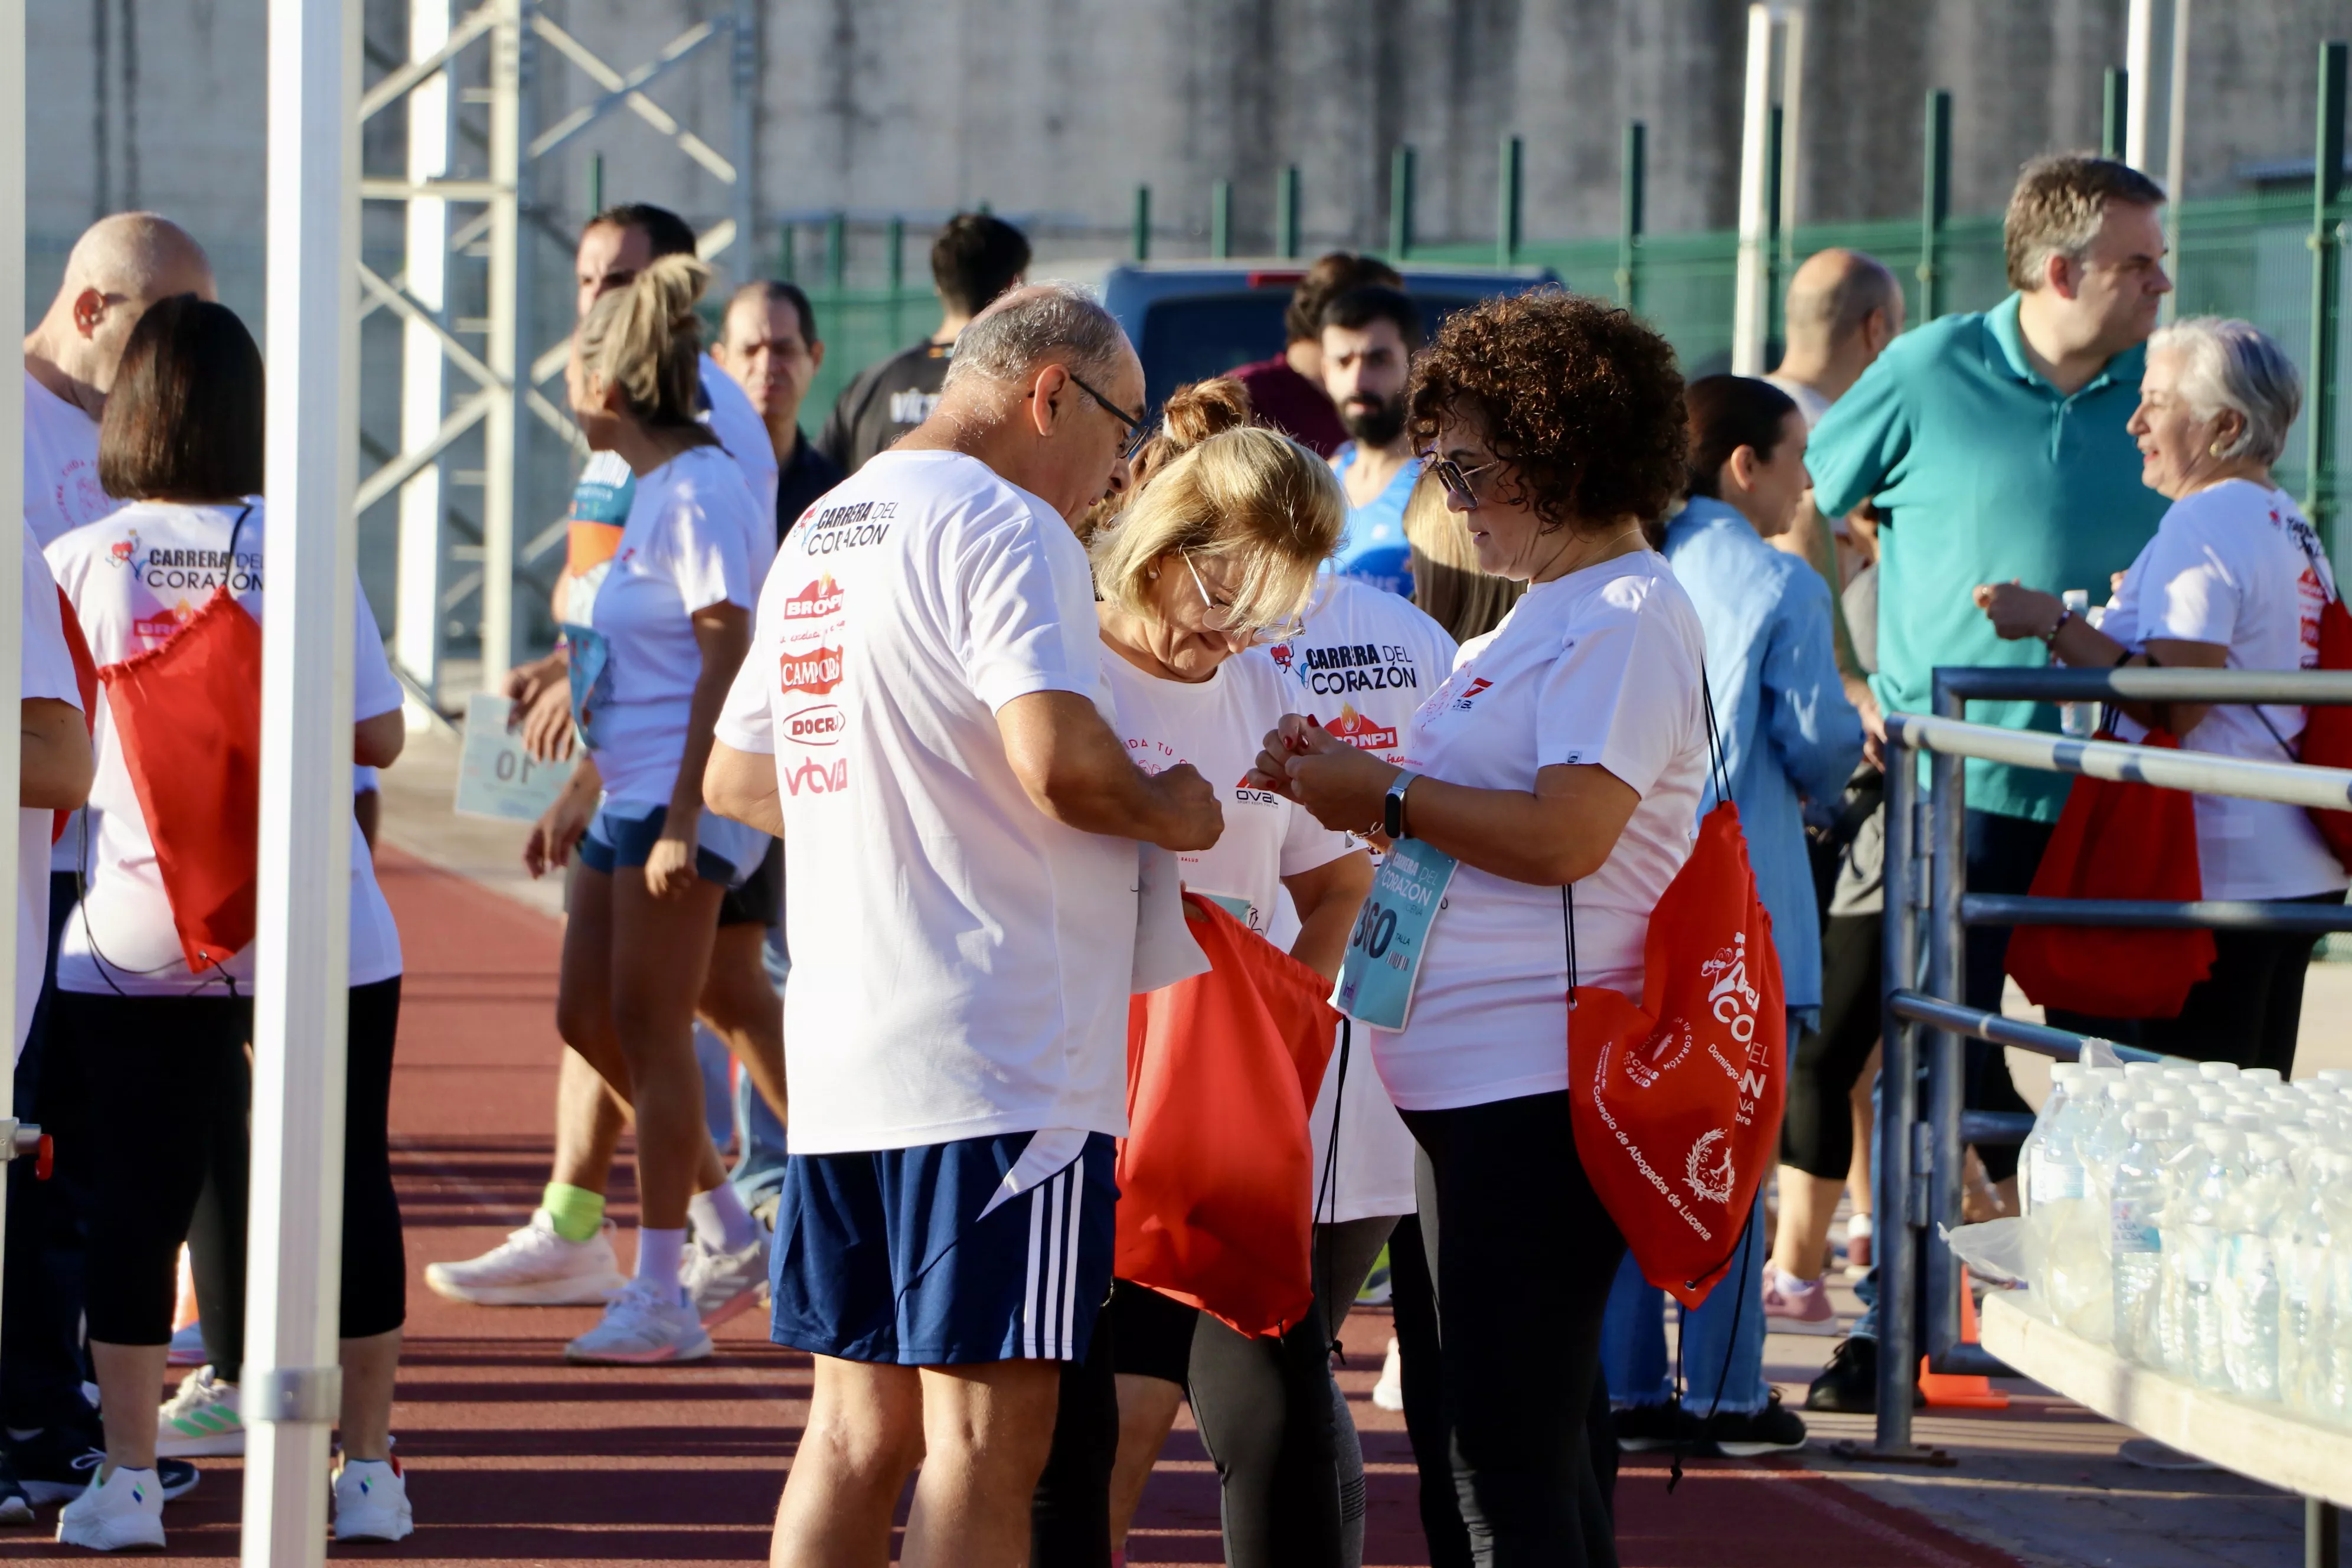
(1137, 431)
(1219, 617)
(1455, 480)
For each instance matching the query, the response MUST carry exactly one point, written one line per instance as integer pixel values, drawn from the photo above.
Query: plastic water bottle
(2299, 1237)
(2064, 1076)
(2062, 1229)
(2194, 1264)
(2078, 719)
(2247, 1291)
(2137, 1212)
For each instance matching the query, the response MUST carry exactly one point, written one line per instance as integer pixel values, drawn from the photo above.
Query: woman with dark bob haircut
(156, 1040)
(1568, 746)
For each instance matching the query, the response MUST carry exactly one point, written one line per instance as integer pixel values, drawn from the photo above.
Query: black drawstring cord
(1330, 1185)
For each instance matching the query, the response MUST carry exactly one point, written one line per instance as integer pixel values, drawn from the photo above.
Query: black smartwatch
(1393, 805)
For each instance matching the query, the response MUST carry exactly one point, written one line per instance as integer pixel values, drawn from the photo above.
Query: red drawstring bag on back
(1215, 1205)
(2327, 730)
(2116, 840)
(189, 714)
(1676, 1103)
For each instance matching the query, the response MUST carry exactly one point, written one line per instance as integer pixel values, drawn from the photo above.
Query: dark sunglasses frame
(1137, 431)
(1455, 480)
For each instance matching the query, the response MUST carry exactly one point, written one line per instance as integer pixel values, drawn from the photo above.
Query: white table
(2261, 1441)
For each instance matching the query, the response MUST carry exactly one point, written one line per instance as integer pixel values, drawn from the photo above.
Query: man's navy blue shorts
(885, 1256)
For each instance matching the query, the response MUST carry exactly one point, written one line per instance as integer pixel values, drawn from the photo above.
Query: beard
(1376, 425)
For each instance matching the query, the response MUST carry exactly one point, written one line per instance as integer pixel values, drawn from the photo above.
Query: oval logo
(823, 725)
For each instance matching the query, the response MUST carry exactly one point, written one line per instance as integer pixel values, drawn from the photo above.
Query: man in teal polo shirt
(1994, 447)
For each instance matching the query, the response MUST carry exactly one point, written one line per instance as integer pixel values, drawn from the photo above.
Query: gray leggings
(1290, 1470)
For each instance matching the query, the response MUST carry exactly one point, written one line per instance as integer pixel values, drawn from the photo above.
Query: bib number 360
(1385, 949)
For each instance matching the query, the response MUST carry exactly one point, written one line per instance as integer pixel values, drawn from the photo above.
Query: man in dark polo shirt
(975, 258)
(1287, 391)
(769, 343)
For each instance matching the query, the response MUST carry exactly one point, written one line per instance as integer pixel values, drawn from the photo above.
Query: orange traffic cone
(1961, 1391)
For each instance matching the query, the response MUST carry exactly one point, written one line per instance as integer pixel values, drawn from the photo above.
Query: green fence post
(786, 258)
(1774, 261)
(1220, 219)
(1286, 211)
(836, 251)
(1934, 202)
(2326, 292)
(596, 183)
(1631, 175)
(1143, 222)
(1507, 197)
(896, 245)
(1400, 174)
(2115, 103)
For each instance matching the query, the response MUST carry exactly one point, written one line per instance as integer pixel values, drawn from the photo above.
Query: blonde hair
(645, 338)
(1191, 415)
(1447, 583)
(1246, 494)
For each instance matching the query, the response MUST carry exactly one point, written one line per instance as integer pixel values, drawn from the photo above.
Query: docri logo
(819, 599)
(820, 726)
(816, 672)
(1707, 1171)
(1364, 734)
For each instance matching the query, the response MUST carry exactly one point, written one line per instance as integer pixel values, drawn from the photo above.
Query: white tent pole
(2176, 151)
(1751, 309)
(1793, 137)
(418, 615)
(292, 1386)
(11, 504)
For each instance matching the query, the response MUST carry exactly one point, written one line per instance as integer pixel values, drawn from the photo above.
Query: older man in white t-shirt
(923, 715)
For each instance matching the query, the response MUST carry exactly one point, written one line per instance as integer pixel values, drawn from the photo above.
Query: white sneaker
(201, 1421)
(644, 1324)
(371, 1501)
(188, 1346)
(1389, 1392)
(723, 1284)
(122, 1508)
(534, 1267)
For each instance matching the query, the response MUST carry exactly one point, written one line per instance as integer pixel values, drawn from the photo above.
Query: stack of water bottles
(2198, 1219)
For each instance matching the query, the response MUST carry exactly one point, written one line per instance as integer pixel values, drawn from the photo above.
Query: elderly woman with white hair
(2234, 579)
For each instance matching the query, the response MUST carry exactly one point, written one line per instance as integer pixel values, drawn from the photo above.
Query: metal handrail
(1919, 1155)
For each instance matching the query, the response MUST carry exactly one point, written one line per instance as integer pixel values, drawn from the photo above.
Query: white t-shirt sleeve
(705, 552)
(2191, 579)
(375, 689)
(48, 672)
(1602, 701)
(1306, 843)
(1010, 634)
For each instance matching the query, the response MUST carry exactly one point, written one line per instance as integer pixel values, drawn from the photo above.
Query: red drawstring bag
(2116, 840)
(2327, 730)
(1215, 1207)
(85, 670)
(1676, 1103)
(190, 715)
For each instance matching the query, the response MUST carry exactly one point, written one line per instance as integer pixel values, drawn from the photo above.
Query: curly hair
(1579, 399)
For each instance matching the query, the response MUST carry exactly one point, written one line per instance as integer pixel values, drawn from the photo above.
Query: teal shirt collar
(2001, 325)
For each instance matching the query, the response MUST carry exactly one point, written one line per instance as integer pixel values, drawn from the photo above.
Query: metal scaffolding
(449, 387)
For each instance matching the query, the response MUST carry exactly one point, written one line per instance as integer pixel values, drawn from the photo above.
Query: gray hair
(2235, 366)
(1047, 324)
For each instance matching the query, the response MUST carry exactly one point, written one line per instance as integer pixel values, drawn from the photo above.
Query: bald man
(121, 266)
(1843, 309)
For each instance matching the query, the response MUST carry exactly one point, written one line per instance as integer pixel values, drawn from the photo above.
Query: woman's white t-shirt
(48, 675)
(2236, 565)
(134, 579)
(1601, 668)
(1219, 725)
(683, 549)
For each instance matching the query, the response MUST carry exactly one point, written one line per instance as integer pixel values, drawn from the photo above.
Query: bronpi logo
(819, 599)
(1364, 734)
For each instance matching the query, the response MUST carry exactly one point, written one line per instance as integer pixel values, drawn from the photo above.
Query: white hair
(2228, 364)
(1048, 323)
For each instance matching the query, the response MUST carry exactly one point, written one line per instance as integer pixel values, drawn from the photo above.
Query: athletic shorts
(886, 1256)
(1152, 1334)
(758, 899)
(624, 834)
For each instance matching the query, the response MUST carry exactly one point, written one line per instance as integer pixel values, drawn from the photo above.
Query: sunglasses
(1219, 617)
(1454, 480)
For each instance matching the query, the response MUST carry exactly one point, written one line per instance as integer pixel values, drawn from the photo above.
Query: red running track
(514, 1457)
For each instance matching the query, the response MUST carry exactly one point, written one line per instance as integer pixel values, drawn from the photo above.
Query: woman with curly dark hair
(1568, 746)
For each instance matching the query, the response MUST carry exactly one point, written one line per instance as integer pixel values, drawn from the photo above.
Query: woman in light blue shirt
(1789, 735)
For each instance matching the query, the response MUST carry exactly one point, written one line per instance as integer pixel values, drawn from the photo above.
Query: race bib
(1241, 908)
(1385, 949)
(592, 677)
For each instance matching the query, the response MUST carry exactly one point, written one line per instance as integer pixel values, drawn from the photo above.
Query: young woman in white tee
(2233, 579)
(1567, 749)
(652, 655)
(159, 1049)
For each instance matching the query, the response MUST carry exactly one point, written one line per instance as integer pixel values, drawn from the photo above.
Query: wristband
(1393, 805)
(2050, 638)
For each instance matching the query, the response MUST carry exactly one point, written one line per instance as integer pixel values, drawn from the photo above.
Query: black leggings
(1817, 1129)
(1523, 1255)
(168, 1097)
(2249, 1010)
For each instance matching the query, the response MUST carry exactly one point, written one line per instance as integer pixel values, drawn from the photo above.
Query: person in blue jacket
(1789, 735)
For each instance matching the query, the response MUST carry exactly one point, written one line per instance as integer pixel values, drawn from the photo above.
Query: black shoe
(56, 1464)
(1642, 1427)
(16, 1508)
(1774, 1429)
(1849, 1384)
